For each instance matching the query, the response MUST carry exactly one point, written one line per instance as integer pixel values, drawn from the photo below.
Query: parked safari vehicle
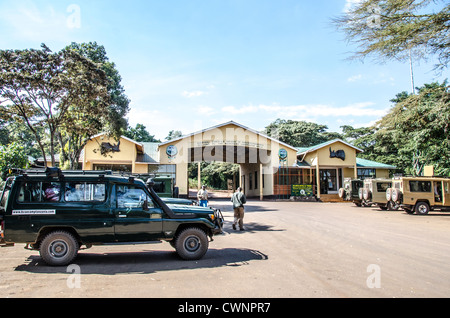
(420, 194)
(350, 190)
(374, 192)
(57, 212)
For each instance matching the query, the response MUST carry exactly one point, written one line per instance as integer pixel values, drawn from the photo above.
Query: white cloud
(28, 22)
(354, 78)
(311, 112)
(190, 94)
(241, 110)
(205, 110)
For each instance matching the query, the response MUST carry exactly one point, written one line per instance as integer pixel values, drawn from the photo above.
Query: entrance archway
(256, 154)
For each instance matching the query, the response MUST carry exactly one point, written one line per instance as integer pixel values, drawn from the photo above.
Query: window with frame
(130, 196)
(420, 186)
(37, 191)
(364, 173)
(85, 191)
(382, 186)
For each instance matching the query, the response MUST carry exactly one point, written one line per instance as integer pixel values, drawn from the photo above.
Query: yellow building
(268, 167)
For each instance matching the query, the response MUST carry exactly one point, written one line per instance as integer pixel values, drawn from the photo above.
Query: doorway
(329, 183)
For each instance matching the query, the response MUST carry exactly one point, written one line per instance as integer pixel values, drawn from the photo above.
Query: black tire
(59, 248)
(422, 208)
(392, 206)
(191, 243)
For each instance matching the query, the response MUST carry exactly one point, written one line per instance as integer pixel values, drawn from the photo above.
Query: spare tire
(395, 195)
(366, 194)
(388, 194)
(341, 193)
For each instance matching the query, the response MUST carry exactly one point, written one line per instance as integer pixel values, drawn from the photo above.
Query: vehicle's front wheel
(191, 243)
(58, 248)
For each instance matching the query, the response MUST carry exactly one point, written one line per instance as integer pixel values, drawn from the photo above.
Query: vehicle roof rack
(56, 172)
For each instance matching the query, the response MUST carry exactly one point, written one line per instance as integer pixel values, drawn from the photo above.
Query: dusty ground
(290, 249)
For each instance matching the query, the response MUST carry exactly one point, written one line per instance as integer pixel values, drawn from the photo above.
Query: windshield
(5, 193)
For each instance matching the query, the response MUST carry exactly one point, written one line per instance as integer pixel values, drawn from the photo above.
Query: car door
(137, 218)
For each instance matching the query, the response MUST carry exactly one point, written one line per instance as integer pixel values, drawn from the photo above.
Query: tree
(49, 90)
(110, 117)
(415, 132)
(299, 133)
(12, 156)
(397, 29)
(363, 138)
(419, 127)
(174, 134)
(140, 134)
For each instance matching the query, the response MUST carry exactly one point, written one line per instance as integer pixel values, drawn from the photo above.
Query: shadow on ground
(145, 262)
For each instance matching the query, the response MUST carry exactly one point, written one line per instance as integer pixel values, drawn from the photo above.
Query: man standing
(238, 200)
(202, 197)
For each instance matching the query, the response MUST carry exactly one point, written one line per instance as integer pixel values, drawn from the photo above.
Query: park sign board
(302, 190)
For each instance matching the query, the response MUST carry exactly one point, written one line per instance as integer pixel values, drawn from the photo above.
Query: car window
(5, 193)
(420, 186)
(84, 191)
(382, 186)
(36, 191)
(130, 196)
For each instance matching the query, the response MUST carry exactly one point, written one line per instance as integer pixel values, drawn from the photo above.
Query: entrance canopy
(228, 142)
(256, 153)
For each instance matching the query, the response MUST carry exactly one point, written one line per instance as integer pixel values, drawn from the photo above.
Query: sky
(192, 64)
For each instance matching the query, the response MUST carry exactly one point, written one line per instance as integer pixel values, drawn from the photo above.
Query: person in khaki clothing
(238, 200)
(202, 197)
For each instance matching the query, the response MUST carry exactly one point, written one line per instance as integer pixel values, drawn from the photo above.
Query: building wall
(92, 153)
(322, 156)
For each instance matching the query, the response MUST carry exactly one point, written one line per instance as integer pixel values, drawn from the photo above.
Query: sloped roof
(224, 124)
(364, 163)
(303, 150)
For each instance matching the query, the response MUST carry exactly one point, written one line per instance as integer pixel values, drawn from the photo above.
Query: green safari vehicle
(56, 212)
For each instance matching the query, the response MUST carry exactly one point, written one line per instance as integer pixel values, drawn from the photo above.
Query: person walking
(202, 197)
(238, 199)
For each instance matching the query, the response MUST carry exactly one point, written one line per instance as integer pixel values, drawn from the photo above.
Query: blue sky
(192, 64)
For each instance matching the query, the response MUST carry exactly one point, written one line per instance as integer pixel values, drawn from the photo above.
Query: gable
(333, 153)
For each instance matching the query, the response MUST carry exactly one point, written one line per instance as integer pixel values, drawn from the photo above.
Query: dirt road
(290, 249)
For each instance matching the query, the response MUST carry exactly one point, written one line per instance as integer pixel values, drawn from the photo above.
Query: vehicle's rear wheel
(59, 248)
(191, 243)
(422, 208)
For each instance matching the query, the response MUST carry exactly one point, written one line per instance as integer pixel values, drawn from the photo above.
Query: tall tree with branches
(398, 29)
(44, 89)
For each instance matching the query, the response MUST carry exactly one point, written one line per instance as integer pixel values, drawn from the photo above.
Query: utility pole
(412, 73)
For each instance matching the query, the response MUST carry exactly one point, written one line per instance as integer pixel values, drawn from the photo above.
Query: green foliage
(140, 134)
(213, 174)
(63, 98)
(299, 133)
(393, 29)
(174, 134)
(12, 156)
(415, 132)
(53, 91)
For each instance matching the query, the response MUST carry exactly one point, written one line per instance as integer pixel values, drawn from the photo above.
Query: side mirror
(145, 205)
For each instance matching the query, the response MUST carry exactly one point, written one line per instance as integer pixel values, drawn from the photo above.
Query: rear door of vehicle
(86, 207)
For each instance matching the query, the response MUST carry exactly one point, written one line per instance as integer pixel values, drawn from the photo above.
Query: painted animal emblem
(337, 154)
(108, 147)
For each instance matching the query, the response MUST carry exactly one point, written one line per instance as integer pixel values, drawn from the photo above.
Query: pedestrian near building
(202, 197)
(238, 199)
